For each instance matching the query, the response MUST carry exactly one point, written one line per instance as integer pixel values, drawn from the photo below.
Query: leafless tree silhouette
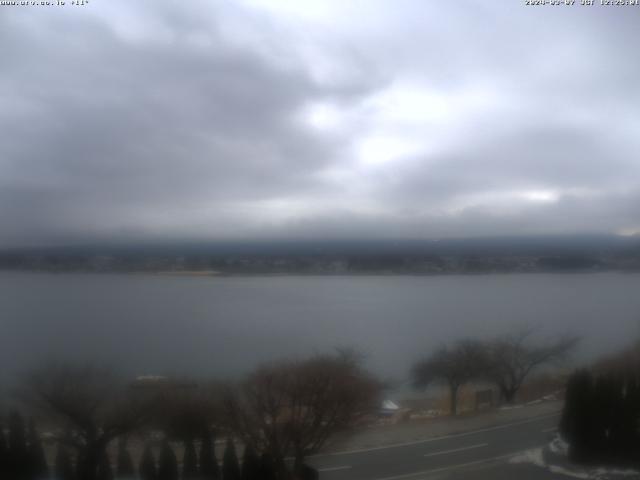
(511, 358)
(454, 365)
(90, 406)
(293, 408)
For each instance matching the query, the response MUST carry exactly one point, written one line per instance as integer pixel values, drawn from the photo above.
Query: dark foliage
(125, 468)
(187, 414)
(168, 464)
(209, 469)
(575, 424)
(4, 454)
(96, 407)
(230, 465)
(18, 454)
(307, 472)
(189, 461)
(250, 464)
(38, 468)
(267, 467)
(601, 419)
(148, 470)
(104, 471)
(63, 466)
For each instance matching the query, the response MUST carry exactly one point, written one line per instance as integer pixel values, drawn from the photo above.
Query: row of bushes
(22, 457)
(21, 453)
(601, 418)
(287, 409)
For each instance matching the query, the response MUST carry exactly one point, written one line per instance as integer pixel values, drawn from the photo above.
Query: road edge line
(435, 439)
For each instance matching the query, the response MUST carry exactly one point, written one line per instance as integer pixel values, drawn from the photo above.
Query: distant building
(389, 408)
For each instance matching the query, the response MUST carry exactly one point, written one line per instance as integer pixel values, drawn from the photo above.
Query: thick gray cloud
(178, 120)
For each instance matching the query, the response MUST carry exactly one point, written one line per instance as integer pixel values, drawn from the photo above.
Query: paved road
(476, 454)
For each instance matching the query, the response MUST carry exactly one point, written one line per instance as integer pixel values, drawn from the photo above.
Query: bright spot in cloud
(504, 201)
(411, 104)
(308, 10)
(541, 196)
(323, 116)
(377, 150)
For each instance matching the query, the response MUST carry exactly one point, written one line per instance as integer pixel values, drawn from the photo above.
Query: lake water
(153, 324)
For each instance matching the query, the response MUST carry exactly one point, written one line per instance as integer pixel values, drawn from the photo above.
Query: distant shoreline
(221, 274)
(186, 273)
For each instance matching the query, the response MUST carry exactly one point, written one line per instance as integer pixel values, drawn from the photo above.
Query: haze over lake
(155, 324)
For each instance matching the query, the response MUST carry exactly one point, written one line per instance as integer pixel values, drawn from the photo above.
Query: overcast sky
(168, 120)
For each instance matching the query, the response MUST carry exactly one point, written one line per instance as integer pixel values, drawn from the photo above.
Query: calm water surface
(146, 324)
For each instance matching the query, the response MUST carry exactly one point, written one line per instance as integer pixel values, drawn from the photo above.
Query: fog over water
(145, 324)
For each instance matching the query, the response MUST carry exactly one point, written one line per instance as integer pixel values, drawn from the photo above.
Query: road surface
(479, 454)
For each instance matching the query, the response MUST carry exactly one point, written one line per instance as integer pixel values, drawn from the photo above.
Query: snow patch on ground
(559, 448)
(570, 473)
(534, 457)
(608, 472)
(511, 407)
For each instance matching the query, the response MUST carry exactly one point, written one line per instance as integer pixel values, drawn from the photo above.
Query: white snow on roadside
(605, 472)
(511, 407)
(533, 456)
(558, 446)
(570, 473)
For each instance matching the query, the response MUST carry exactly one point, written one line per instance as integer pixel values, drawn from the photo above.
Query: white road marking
(444, 452)
(452, 467)
(333, 469)
(434, 439)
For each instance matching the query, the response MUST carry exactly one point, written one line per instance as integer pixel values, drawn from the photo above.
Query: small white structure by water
(389, 407)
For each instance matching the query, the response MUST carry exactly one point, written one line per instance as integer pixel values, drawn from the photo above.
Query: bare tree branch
(512, 358)
(90, 407)
(293, 408)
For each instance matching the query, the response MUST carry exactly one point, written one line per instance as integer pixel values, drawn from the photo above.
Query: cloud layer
(165, 120)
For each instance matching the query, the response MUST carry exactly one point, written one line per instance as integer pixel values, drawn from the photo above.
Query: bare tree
(188, 414)
(90, 407)
(454, 365)
(293, 408)
(513, 357)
